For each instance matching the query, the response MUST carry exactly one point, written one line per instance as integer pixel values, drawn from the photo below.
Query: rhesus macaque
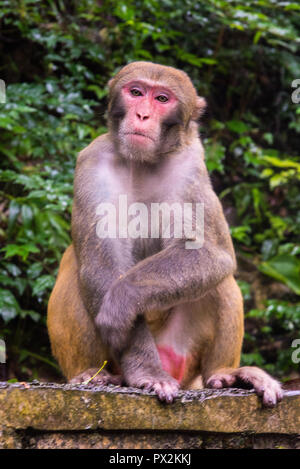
(164, 313)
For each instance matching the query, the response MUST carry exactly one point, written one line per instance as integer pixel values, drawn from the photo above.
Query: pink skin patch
(171, 362)
(145, 106)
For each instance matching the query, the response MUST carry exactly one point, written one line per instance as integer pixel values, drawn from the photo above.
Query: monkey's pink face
(147, 107)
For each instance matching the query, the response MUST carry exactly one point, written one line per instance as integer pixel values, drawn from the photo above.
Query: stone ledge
(58, 408)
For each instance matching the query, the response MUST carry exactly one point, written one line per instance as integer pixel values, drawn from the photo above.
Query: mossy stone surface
(69, 407)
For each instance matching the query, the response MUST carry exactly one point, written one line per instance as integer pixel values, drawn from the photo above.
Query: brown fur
(122, 300)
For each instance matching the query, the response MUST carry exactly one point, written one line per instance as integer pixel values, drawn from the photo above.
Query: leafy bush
(279, 325)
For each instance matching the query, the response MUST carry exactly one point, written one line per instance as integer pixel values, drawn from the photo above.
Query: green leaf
(257, 37)
(12, 269)
(237, 126)
(17, 283)
(14, 210)
(215, 154)
(9, 307)
(281, 163)
(27, 215)
(32, 314)
(125, 12)
(240, 233)
(100, 92)
(285, 268)
(23, 251)
(43, 283)
(35, 270)
(268, 137)
(249, 359)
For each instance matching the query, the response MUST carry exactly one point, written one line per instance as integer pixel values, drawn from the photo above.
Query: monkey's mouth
(139, 134)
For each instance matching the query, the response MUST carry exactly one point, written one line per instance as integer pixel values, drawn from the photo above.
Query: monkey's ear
(199, 108)
(109, 84)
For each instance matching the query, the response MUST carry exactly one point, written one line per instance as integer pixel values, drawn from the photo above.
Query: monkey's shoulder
(99, 149)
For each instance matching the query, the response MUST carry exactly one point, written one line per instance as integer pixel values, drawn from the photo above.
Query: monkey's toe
(264, 385)
(166, 388)
(166, 391)
(249, 377)
(220, 380)
(102, 378)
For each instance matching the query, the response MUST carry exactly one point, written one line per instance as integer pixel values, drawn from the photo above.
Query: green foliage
(286, 315)
(285, 268)
(279, 326)
(57, 57)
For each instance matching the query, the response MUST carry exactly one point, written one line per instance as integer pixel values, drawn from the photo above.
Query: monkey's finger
(170, 392)
(215, 384)
(272, 395)
(269, 398)
(220, 380)
(279, 395)
(148, 386)
(166, 392)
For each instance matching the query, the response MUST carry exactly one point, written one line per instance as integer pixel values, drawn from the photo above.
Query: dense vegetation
(56, 58)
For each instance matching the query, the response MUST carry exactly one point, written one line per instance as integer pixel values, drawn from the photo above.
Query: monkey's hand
(116, 317)
(264, 385)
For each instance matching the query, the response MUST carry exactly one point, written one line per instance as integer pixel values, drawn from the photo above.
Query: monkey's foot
(249, 376)
(163, 385)
(104, 377)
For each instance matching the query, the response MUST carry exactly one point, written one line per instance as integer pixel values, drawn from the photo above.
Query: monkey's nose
(142, 116)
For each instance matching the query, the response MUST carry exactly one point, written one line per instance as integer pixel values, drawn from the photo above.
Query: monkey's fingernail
(269, 401)
(169, 398)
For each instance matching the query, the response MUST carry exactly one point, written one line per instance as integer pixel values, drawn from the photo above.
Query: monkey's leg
(75, 342)
(221, 360)
(201, 343)
(182, 339)
(141, 365)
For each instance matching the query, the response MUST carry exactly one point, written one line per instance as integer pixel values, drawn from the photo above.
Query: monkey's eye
(161, 98)
(135, 92)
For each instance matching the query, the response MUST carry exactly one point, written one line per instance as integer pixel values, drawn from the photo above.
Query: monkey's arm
(174, 275)
(100, 261)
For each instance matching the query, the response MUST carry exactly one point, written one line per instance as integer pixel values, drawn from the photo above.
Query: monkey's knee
(75, 342)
